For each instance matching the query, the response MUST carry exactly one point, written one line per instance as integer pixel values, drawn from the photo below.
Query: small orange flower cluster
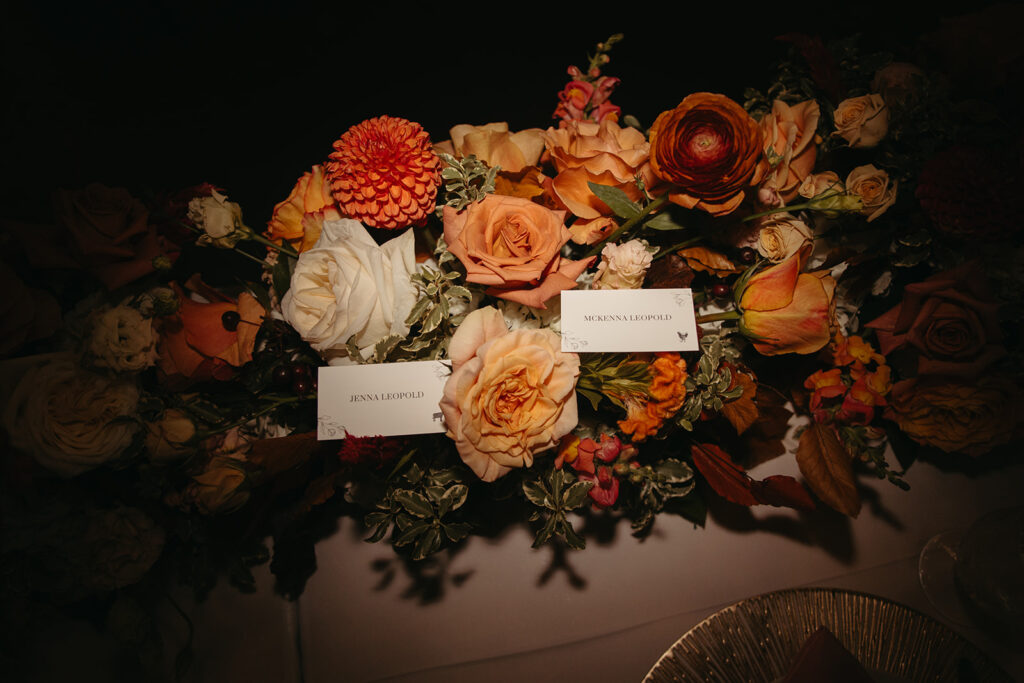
(852, 379)
(667, 393)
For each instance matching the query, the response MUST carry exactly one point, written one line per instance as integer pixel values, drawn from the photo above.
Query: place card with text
(387, 399)
(628, 320)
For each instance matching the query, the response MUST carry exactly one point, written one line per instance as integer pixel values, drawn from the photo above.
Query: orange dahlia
(384, 173)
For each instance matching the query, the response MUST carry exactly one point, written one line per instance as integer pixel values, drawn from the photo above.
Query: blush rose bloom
(785, 310)
(790, 142)
(781, 235)
(874, 189)
(623, 266)
(69, 419)
(510, 396)
(951, 320)
(347, 286)
(862, 121)
(602, 153)
(710, 149)
(494, 145)
(513, 246)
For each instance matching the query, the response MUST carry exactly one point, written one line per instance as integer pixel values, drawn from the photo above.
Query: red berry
(720, 290)
(748, 255)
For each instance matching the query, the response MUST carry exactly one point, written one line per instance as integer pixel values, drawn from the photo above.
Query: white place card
(387, 399)
(628, 320)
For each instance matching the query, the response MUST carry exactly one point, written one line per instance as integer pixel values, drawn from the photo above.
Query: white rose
(623, 266)
(220, 220)
(69, 419)
(348, 286)
(122, 340)
(781, 236)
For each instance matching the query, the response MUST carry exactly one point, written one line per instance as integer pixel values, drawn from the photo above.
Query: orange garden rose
(785, 310)
(602, 153)
(710, 149)
(874, 189)
(494, 145)
(862, 121)
(513, 246)
(790, 142)
(955, 416)
(510, 396)
(206, 340)
(384, 173)
(299, 218)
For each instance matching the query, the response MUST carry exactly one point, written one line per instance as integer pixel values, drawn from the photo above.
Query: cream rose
(494, 145)
(69, 419)
(790, 143)
(781, 236)
(623, 266)
(347, 286)
(168, 438)
(862, 121)
(219, 219)
(874, 188)
(510, 396)
(123, 340)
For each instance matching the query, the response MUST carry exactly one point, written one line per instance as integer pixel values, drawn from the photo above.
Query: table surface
(498, 610)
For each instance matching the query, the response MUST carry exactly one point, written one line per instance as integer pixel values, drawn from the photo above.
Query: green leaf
(536, 494)
(418, 309)
(282, 274)
(593, 396)
(433, 319)
(379, 533)
(545, 533)
(415, 503)
(457, 531)
(674, 471)
(427, 544)
(576, 495)
(617, 200)
(572, 539)
(410, 534)
(453, 499)
(377, 518)
(663, 221)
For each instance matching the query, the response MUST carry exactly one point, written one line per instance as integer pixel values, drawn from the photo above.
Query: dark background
(160, 96)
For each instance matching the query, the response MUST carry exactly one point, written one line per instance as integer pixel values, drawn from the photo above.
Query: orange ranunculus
(494, 145)
(825, 384)
(602, 153)
(384, 173)
(298, 219)
(710, 149)
(513, 246)
(851, 350)
(510, 396)
(785, 310)
(205, 340)
(964, 417)
(790, 143)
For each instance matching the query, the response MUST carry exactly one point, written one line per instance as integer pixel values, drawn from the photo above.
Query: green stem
(285, 249)
(274, 404)
(628, 225)
(812, 204)
(665, 251)
(252, 258)
(724, 315)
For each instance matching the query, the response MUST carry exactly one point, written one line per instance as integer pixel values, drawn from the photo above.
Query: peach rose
(711, 149)
(862, 121)
(781, 235)
(602, 153)
(299, 218)
(790, 143)
(494, 145)
(510, 396)
(513, 246)
(786, 310)
(874, 188)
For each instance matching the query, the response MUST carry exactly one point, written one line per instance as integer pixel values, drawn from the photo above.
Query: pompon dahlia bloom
(384, 173)
(711, 149)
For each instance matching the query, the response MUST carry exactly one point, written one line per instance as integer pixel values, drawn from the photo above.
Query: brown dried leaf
(826, 465)
(742, 412)
(670, 272)
(318, 492)
(277, 455)
(763, 440)
(709, 261)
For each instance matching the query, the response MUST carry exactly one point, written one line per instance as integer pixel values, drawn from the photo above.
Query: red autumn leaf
(782, 491)
(727, 478)
(732, 482)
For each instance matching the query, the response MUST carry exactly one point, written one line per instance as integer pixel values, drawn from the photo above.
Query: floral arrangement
(846, 233)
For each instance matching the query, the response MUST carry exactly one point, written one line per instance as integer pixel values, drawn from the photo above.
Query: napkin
(823, 658)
